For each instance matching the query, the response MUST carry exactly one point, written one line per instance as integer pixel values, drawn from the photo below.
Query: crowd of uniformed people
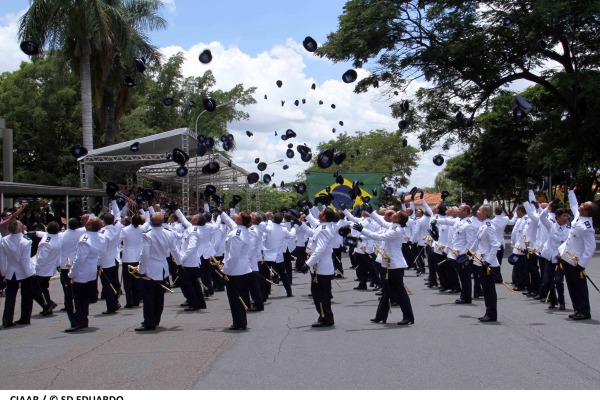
(142, 254)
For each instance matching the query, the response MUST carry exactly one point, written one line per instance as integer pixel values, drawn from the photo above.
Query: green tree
(79, 28)
(41, 103)
(376, 151)
(111, 64)
(468, 51)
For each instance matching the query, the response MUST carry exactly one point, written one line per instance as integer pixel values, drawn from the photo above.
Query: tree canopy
(468, 52)
(376, 151)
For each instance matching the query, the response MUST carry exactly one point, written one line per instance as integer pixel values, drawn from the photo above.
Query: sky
(257, 43)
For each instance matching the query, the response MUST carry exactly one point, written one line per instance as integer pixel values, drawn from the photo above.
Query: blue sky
(256, 43)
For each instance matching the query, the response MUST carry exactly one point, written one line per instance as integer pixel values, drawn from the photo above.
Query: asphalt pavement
(530, 347)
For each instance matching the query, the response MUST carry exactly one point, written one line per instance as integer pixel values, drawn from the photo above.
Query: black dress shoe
(571, 316)
(377, 321)
(360, 287)
(322, 324)
(378, 293)
(8, 324)
(394, 304)
(145, 328)
(21, 322)
(581, 317)
(109, 312)
(561, 307)
(186, 304)
(290, 295)
(461, 301)
(551, 306)
(444, 290)
(190, 308)
(487, 318)
(128, 306)
(74, 329)
(538, 297)
(407, 322)
(454, 291)
(252, 309)
(237, 328)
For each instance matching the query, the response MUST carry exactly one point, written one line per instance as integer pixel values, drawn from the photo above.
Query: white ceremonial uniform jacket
(112, 238)
(486, 244)
(157, 244)
(132, 242)
(85, 264)
(556, 236)
(47, 257)
(393, 238)
(15, 251)
(580, 243)
(461, 235)
(68, 243)
(237, 252)
(322, 245)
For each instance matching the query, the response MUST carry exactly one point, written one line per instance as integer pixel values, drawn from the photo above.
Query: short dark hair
(53, 228)
(73, 223)
(108, 219)
(246, 219)
(277, 218)
(13, 226)
(329, 214)
(136, 220)
(498, 210)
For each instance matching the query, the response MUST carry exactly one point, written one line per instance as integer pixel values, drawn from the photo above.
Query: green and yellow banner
(317, 183)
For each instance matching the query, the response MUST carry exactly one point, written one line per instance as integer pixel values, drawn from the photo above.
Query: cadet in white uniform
(68, 242)
(236, 267)
(15, 265)
(486, 248)
(84, 272)
(576, 254)
(45, 263)
(131, 236)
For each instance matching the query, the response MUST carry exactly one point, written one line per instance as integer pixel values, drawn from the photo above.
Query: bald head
(157, 219)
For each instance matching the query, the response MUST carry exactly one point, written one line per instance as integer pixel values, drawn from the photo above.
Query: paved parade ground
(530, 347)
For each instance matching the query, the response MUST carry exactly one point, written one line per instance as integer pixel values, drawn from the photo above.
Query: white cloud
(170, 6)
(312, 122)
(11, 55)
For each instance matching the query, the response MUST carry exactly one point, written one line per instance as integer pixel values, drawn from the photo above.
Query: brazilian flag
(317, 182)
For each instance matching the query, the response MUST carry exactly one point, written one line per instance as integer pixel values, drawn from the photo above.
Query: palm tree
(83, 28)
(108, 68)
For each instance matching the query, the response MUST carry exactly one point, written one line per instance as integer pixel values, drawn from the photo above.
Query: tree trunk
(110, 133)
(86, 108)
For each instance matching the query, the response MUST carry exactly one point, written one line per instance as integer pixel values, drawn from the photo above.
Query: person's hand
(304, 269)
(358, 227)
(343, 206)
(422, 194)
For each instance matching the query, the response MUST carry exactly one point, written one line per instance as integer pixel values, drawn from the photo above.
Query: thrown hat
(438, 160)
(179, 156)
(305, 152)
(252, 178)
(168, 101)
(209, 143)
(279, 83)
(140, 65)
(210, 189)
(285, 166)
(148, 194)
(267, 178)
(205, 57)
(261, 166)
(201, 149)
(111, 189)
(389, 191)
(211, 168)
(209, 104)
(289, 153)
(236, 198)
(181, 171)
(513, 259)
(309, 44)
(349, 76)
(30, 47)
(339, 157)
(300, 188)
(404, 105)
(434, 232)
(325, 158)
(135, 146)
(78, 151)
(445, 194)
(404, 142)
(507, 21)
(403, 124)
(128, 81)
(249, 134)
(313, 86)
(191, 104)
(339, 180)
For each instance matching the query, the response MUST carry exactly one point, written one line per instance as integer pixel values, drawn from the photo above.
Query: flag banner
(317, 183)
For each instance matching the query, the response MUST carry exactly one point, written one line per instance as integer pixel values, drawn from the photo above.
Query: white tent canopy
(150, 162)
